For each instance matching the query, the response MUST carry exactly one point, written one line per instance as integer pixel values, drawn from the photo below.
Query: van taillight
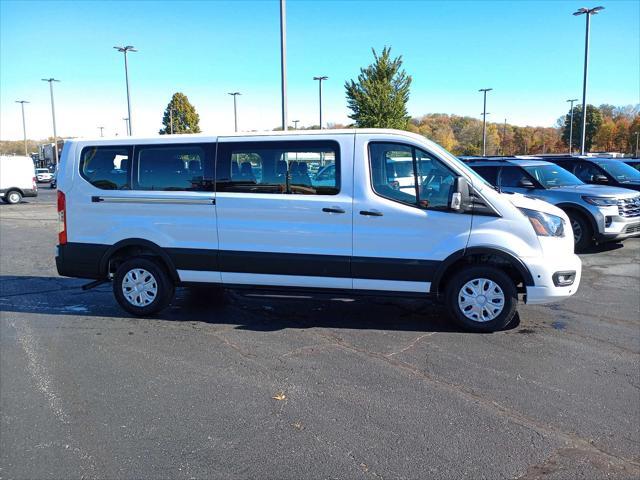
(34, 184)
(62, 219)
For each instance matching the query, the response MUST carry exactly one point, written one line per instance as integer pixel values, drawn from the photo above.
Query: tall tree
(379, 98)
(183, 115)
(594, 120)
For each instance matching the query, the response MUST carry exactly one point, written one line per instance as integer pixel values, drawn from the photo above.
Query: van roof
(212, 137)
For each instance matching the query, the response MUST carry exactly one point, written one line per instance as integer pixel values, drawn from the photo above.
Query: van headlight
(601, 201)
(544, 224)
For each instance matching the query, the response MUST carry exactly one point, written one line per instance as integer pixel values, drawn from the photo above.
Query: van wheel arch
(497, 258)
(136, 247)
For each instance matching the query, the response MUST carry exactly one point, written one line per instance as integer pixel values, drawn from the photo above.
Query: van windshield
(620, 171)
(553, 176)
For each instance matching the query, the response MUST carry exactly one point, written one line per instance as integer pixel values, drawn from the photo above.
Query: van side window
(410, 175)
(296, 167)
(107, 168)
(172, 168)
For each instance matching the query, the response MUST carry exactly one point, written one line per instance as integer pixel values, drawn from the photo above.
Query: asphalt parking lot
(252, 386)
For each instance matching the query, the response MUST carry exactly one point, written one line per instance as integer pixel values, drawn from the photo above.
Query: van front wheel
(481, 299)
(142, 287)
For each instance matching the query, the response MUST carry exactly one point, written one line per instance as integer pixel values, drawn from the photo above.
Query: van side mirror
(599, 179)
(526, 183)
(460, 197)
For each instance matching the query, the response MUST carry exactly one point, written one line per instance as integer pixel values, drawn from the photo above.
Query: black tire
(582, 233)
(478, 273)
(147, 304)
(13, 197)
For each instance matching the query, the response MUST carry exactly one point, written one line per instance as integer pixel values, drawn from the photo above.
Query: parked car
(150, 225)
(597, 213)
(633, 162)
(43, 175)
(17, 179)
(600, 171)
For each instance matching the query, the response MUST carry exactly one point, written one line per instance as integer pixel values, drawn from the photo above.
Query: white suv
(242, 211)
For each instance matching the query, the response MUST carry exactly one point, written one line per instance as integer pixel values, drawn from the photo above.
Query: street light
(124, 50)
(24, 126)
(235, 109)
(571, 126)
(101, 131)
(320, 79)
(484, 121)
(283, 61)
(637, 135)
(295, 124)
(53, 115)
(588, 12)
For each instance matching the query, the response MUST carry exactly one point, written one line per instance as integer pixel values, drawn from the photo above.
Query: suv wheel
(481, 299)
(582, 235)
(13, 197)
(142, 287)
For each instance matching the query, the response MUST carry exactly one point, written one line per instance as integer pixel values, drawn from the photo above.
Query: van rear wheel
(13, 197)
(481, 299)
(142, 286)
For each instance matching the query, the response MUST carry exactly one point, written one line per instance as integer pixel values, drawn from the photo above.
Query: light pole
(637, 135)
(295, 124)
(171, 120)
(126, 125)
(320, 79)
(504, 138)
(124, 50)
(235, 109)
(484, 121)
(283, 60)
(24, 127)
(101, 131)
(571, 125)
(53, 115)
(588, 12)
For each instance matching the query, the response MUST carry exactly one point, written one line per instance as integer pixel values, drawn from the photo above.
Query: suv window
(410, 175)
(172, 168)
(307, 168)
(512, 176)
(490, 174)
(107, 168)
(587, 171)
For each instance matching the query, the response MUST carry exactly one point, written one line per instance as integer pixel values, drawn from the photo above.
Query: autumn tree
(379, 97)
(594, 121)
(180, 116)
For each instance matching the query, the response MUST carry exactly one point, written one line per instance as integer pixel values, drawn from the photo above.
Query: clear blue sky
(531, 53)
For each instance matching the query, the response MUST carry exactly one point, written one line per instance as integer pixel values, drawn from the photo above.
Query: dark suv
(599, 171)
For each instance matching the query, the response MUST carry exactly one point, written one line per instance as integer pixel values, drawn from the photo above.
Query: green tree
(185, 118)
(379, 98)
(594, 120)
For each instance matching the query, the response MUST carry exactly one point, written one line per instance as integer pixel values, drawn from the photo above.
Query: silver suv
(597, 212)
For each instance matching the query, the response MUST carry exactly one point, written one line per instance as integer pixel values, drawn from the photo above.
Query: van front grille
(629, 207)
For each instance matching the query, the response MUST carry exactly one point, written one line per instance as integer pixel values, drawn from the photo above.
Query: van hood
(524, 201)
(597, 190)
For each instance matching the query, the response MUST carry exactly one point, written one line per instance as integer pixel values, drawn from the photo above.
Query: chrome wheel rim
(139, 287)
(14, 197)
(577, 231)
(481, 300)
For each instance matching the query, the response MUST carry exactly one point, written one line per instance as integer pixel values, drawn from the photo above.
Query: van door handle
(333, 210)
(371, 213)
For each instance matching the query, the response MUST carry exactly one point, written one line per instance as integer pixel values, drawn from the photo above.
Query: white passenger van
(150, 214)
(17, 178)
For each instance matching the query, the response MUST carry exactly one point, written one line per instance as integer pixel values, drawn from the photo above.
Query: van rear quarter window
(107, 168)
(307, 168)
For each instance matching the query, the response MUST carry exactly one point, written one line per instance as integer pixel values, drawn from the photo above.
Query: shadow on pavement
(247, 310)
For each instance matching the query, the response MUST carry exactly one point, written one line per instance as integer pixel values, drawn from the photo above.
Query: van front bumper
(545, 274)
